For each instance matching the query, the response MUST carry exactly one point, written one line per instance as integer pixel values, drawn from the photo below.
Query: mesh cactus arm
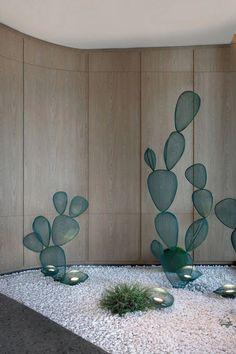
(225, 211)
(65, 228)
(203, 201)
(150, 158)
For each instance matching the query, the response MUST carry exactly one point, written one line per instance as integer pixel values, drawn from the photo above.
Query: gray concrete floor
(24, 331)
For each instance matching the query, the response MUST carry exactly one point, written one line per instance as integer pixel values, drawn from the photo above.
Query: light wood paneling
(101, 156)
(114, 61)
(54, 56)
(215, 59)
(114, 238)
(11, 246)
(215, 145)
(160, 92)
(76, 250)
(114, 137)
(11, 44)
(172, 59)
(11, 163)
(11, 138)
(114, 159)
(55, 137)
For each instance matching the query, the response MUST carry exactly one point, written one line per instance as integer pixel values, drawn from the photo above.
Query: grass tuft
(125, 298)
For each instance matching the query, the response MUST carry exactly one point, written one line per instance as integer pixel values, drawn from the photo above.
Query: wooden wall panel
(114, 61)
(56, 136)
(161, 86)
(114, 238)
(11, 44)
(11, 153)
(11, 246)
(40, 53)
(167, 60)
(55, 140)
(215, 144)
(114, 143)
(11, 139)
(215, 58)
(114, 163)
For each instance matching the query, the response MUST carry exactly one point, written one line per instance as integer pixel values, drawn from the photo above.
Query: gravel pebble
(198, 322)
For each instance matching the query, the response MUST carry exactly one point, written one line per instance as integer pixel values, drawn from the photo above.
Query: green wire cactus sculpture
(162, 185)
(48, 240)
(225, 211)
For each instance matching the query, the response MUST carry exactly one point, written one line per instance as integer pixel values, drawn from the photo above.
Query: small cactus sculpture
(64, 229)
(162, 185)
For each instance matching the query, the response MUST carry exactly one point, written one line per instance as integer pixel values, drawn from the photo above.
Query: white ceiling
(123, 23)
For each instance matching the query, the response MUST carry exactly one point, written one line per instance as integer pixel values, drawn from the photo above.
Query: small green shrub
(125, 298)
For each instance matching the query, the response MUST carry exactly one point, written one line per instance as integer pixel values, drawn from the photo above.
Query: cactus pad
(167, 227)
(60, 201)
(156, 249)
(233, 239)
(174, 148)
(203, 202)
(175, 258)
(226, 212)
(196, 234)
(33, 242)
(162, 187)
(150, 158)
(78, 206)
(175, 280)
(64, 229)
(42, 227)
(53, 255)
(187, 107)
(197, 175)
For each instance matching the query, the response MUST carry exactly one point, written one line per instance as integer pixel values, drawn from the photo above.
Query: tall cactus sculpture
(64, 229)
(162, 185)
(225, 211)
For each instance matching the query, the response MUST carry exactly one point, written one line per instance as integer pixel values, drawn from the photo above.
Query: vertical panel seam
(140, 137)
(88, 98)
(23, 146)
(193, 78)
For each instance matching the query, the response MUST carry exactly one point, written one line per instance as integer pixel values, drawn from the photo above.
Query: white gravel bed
(199, 322)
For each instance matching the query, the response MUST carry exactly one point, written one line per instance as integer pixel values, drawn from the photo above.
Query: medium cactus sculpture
(48, 240)
(162, 185)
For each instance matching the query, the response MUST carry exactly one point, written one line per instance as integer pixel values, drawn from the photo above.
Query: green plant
(47, 240)
(125, 298)
(163, 184)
